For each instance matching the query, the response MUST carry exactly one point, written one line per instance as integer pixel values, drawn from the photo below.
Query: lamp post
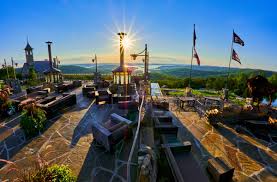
(13, 63)
(95, 60)
(5, 66)
(144, 53)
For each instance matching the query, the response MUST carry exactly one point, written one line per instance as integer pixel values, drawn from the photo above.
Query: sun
(129, 40)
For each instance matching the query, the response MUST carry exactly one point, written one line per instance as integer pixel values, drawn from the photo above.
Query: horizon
(78, 32)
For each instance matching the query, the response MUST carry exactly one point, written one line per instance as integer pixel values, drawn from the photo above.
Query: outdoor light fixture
(133, 56)
(145, 54)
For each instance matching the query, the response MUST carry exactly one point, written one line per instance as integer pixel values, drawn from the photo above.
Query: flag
(237, 39)
(93, 60)
(195, 55)
(194, 36)
(235, 56)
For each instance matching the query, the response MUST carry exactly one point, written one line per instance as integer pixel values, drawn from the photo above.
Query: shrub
(44, 173)
(33, 120)
(61, 173)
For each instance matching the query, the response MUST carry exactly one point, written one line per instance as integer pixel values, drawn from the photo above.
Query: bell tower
(29, 54)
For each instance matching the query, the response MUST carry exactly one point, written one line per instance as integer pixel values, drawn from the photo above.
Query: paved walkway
(253, 159)
(66, 141)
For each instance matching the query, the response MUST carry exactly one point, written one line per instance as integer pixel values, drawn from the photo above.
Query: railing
(200, 107)
(134, 142)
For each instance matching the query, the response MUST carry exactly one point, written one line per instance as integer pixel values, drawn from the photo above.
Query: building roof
(39, 66)
(28, 47)
(123, 69)
(52, 70)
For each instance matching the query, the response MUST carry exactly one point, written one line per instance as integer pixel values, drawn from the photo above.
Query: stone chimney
(49, 53)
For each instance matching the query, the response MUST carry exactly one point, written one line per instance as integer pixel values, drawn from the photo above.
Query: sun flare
(129, 40)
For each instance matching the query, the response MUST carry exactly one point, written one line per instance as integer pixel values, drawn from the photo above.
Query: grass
(209, 93)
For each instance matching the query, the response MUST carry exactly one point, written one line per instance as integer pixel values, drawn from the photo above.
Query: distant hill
(177, 70)
(86, 69)
(204, 71)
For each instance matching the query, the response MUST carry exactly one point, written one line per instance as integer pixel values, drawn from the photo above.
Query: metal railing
(134, 142)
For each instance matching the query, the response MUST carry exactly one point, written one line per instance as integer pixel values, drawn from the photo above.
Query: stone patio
(67, 140)
(253, 159)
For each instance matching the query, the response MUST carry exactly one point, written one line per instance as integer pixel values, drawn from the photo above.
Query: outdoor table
(213, 101)
(189, 100)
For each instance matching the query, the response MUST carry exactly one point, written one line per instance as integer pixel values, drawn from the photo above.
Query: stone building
(39, 66)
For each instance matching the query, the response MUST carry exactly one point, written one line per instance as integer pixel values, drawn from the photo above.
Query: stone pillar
(121, 37)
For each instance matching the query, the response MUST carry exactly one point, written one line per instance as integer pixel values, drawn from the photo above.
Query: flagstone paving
(253, 159)
(67, 140)
(55, 145)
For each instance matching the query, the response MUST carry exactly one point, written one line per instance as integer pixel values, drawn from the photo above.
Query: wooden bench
(220, 169)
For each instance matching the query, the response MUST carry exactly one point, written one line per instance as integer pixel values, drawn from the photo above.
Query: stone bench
(178, 146)
(220, 169)
(109, 133)
(130, 105)
(124, 98)
(103, 95)
(42, 92)
(91, 94)
(77, 83)
(25, 102)
(46, 100)
(183, 166)
(117, 118)
(166, 129)
(51, 108)
(164, 119)
(161, 104)
(34, 89)
(88, 88)
(64, 87)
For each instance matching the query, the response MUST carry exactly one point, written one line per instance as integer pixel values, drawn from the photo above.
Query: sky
(81, 28)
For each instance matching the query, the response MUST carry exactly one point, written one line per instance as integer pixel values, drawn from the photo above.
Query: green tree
(3, 73)
(32, 74)
(273, 79)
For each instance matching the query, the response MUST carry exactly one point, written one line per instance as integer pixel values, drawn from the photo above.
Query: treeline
(237, 83)
(84, 77)
(8, 72)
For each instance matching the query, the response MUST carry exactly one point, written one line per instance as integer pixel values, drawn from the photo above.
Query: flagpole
(13, 68)
(6, 68)
(191, 55)
(95, 63)
(226, 86)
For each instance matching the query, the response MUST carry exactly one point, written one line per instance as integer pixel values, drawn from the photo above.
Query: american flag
(194, 36)
(195, 55)
(235, 56)
(237, 39)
